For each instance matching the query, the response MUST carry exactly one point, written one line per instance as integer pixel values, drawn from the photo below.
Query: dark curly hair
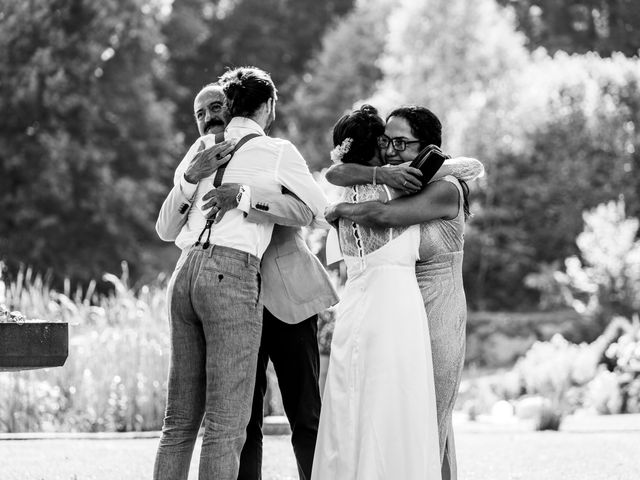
(246, 88)
(427, 128)
(424, 124)
(364, 126)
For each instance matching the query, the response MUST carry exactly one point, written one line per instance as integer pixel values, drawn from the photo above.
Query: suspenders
(217, 180)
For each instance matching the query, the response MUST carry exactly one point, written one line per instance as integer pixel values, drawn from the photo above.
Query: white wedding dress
(378, 418)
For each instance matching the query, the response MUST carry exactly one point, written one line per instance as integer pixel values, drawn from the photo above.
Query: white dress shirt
(266, 162)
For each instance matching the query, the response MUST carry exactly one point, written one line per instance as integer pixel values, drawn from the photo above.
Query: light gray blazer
(295, 285)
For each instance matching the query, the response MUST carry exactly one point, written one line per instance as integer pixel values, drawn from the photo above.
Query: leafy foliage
(605, 280)
(206, 37)
(557, 377)
(448, 55)
(563, 141)
(84, 138)
(344, 72)
(580, 26)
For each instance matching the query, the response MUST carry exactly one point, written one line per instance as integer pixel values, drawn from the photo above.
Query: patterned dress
(439, 274)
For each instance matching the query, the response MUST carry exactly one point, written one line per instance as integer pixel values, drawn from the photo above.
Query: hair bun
(233, 88)
(368, 109)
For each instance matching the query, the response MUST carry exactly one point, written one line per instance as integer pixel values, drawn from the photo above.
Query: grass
(494, 455)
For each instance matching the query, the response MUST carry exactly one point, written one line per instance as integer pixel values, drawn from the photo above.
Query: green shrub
(498, 339)
(624, 358)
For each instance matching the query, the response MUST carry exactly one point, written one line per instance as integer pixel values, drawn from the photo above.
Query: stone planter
(33, 344)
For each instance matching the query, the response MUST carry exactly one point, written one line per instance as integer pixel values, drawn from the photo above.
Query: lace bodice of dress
(359, 240)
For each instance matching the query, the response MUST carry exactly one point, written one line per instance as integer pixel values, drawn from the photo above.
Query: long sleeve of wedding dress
(463, 168)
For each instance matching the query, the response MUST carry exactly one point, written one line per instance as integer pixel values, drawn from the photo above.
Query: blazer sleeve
(280, 208)
(173, 214)
(175, 208)
(294, 175)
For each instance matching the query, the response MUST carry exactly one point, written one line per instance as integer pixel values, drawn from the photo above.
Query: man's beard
(213, 124)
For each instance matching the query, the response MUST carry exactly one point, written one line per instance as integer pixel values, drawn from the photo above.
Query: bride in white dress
(378, 418)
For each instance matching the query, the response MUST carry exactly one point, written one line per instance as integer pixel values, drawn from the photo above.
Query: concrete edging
(272, 426)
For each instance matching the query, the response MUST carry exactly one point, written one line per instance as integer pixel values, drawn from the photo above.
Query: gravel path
(482, 456)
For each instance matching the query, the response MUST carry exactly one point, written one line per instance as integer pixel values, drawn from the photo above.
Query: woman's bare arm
(438, 200)
(401, 177)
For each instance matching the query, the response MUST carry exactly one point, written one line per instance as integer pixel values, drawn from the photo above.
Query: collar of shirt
(241, 126)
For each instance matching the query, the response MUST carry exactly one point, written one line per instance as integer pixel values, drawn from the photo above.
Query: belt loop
(213, 247)
(248, 257)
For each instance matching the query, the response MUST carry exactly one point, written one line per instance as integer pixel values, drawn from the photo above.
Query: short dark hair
(246, 88)
(424, 124)
(363, 126)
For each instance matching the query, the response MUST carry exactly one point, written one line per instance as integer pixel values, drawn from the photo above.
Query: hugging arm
(438, 200)
(175, 208)
(280, 208)
(463, 168)
(173, 214)
(198, 163)
(400, 177)
(403, 177)
(259, 205)
(300, 203)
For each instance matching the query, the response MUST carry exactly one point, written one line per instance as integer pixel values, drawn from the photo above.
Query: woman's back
(378, 417)
(365, 246)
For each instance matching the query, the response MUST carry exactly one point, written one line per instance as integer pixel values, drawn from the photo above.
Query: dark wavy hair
(246, 88)
(364, 126)
(427, 128)
(424, 124)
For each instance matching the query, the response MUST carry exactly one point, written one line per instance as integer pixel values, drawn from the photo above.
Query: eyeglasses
(399, 144)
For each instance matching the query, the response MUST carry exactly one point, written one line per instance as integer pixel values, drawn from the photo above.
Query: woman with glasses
(437, 212)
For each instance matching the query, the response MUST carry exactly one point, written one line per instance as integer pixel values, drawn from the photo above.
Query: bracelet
(375, 170)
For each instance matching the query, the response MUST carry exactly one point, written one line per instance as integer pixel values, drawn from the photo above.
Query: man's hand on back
(332, 214)
(208, 161)
(220, 200)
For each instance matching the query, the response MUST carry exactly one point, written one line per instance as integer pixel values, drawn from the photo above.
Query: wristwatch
(239, 195)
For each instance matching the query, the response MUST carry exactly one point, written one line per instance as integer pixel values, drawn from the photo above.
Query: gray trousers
(215, 321)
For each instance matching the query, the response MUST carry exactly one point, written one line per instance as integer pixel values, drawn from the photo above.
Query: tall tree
(579, 26)
(447, 54)
(84, 139)
(562, 141)
(204, 37)
(344, 72)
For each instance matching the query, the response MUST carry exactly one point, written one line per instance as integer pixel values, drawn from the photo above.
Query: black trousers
(293, 349)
